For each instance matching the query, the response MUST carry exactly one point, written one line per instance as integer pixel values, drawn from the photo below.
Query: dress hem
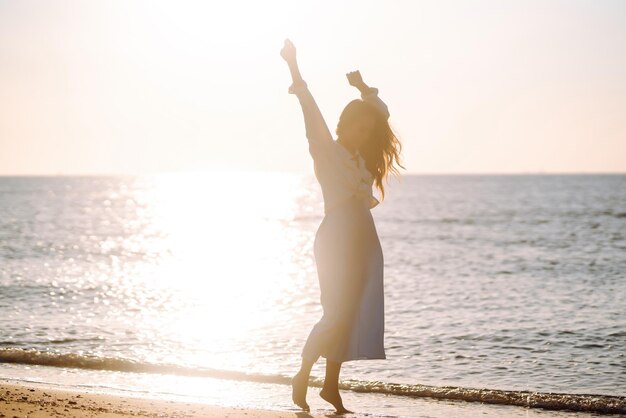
(384, 357)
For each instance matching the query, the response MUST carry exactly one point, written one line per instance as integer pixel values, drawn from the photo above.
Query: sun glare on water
(228, 256)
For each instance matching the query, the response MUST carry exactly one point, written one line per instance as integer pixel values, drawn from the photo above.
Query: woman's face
(359, 131)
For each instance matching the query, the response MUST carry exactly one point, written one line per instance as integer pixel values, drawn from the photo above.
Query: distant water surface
(503, 282)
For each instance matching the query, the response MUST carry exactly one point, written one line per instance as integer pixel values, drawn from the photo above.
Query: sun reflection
(227, 256)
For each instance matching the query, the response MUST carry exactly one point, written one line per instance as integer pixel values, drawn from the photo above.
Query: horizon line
(414, 173)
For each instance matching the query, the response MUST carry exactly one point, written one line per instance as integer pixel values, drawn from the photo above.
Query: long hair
(381, 151)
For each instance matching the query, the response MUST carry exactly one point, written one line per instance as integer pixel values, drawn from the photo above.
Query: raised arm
(368, 94)
(317, 132)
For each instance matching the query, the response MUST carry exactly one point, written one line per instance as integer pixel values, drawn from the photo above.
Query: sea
(501, 289)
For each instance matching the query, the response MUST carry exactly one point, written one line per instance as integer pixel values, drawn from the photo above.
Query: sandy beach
(27, 399)
(21, 400)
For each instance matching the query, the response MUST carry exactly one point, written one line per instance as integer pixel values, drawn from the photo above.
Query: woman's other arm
(317, 131)
(368, 94)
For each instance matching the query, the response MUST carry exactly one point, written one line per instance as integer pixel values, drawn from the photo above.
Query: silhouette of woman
(348, 254)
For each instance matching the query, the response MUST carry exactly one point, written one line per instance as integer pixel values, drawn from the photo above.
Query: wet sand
(26, 399)
(33, 400)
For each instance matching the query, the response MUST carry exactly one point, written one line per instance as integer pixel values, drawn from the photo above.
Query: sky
(141, 87)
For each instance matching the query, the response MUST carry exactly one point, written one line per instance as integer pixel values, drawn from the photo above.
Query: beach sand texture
(39, 400)
(18, 400)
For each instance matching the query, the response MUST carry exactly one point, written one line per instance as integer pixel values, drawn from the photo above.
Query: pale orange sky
(132, 87)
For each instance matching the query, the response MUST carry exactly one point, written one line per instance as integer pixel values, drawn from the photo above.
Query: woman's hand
(288, 52)
(355, 79)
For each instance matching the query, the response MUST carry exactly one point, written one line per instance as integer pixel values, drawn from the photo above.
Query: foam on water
(553, 401)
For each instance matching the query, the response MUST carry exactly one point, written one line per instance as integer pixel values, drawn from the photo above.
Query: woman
(348, 254)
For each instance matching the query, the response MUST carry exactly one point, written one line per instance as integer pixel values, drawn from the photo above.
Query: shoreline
(42, 400)
(215, 387)
(39, 400)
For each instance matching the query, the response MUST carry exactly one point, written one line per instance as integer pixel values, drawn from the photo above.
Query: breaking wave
(605, 404)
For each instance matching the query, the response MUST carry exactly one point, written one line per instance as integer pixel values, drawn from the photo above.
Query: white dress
(348, 254)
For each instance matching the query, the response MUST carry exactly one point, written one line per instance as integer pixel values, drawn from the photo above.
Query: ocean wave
(604, 404)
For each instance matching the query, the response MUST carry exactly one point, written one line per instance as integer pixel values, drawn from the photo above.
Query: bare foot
(299, 385)
(333, 397)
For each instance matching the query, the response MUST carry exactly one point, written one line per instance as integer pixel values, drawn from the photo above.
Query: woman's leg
(330, 391)
(300, 383)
